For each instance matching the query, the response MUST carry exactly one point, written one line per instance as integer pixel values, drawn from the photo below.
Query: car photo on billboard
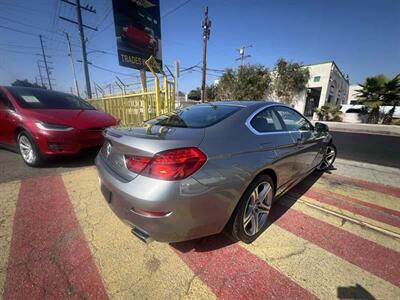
(140, 38)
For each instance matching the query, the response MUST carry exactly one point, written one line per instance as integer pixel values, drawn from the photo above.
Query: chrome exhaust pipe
(141, 235)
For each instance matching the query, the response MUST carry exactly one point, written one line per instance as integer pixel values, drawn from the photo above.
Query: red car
(140, 38)
(41, 123)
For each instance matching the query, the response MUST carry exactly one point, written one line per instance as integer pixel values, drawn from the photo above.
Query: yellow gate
(135, 108)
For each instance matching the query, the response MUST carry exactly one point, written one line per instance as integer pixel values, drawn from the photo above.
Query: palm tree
(371, 96)
(391, 96)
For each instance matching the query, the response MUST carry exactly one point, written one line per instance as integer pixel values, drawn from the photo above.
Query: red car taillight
(173, 164)
(136, 163)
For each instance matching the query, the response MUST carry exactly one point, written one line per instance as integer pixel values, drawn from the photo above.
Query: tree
(289, 79)
(248, 82)
(211, 93)
(25, 83)
(181, 94)
(391, 96)
(329, 112)
(371, 96)
(194, 94)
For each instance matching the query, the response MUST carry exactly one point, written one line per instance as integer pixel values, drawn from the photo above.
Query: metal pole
(143, 80)
(45, 63)
(123, 85)
(120, 87)
(40, 73)
(177, 74)
(206, 24)
(83, 45)
(72, 63)
(95, 89)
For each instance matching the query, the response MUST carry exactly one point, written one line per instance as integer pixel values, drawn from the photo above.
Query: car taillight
(136, 163)
(173, 164)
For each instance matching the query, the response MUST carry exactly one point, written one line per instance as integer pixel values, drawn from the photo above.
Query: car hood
(76, 118)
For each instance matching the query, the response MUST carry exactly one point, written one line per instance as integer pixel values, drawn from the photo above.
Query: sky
(361, 36)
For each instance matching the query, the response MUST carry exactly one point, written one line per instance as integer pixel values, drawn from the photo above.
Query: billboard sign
(138, 32)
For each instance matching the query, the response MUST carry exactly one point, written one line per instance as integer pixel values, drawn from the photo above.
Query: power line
(176, 8)
(17, 30)
(17, 52)
(25, 24)
(108, 70)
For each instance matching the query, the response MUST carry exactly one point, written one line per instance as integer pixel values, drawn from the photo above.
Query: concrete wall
(352, 93)
(324, 72)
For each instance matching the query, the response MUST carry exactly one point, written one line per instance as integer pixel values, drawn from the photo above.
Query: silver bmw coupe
(209, 167)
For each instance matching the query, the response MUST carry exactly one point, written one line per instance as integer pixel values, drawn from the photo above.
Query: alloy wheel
(257, 208)
(26, 149)
(329, 157)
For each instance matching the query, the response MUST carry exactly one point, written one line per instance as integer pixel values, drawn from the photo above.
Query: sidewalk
(369, 172)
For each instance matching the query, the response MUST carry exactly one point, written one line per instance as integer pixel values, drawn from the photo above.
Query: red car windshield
(36, 98)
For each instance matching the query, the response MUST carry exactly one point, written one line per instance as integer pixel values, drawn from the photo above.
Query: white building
(352, 98)
(327, 84)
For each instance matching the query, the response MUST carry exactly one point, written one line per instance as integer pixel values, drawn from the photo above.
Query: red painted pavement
(376, 259)
(232, 272)
(49, 256)
(352, 205)
(376, 187)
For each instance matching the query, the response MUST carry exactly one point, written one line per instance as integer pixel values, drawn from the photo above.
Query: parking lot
(336, 235)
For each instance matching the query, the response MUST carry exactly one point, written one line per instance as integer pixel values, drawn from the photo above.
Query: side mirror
(321, 127)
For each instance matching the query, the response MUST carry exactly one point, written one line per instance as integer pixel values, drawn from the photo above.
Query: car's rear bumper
(192, 209)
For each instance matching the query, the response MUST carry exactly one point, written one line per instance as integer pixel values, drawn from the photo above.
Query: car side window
(266, 121)
(292, 119)
(5, 103)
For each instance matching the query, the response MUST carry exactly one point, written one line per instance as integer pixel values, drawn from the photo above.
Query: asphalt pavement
(13, 168)
(369, 148)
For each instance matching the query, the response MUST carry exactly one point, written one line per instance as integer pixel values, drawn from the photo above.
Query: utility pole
(82, 38)
(242, 55)
(206, 25)
(45, 63)
(177, 74)
(72, 63)
(40, 73)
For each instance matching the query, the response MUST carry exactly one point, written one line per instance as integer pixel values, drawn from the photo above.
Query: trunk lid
(144, 142)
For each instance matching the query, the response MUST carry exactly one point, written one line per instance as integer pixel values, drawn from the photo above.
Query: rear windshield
(196, 116)
(44, 99)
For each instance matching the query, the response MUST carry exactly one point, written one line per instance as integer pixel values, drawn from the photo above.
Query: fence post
(166, 95)
(158, 94)
(173, 96)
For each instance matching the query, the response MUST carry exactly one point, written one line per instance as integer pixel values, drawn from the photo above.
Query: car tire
(29, 150)
(250, 217)
(329, 158)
